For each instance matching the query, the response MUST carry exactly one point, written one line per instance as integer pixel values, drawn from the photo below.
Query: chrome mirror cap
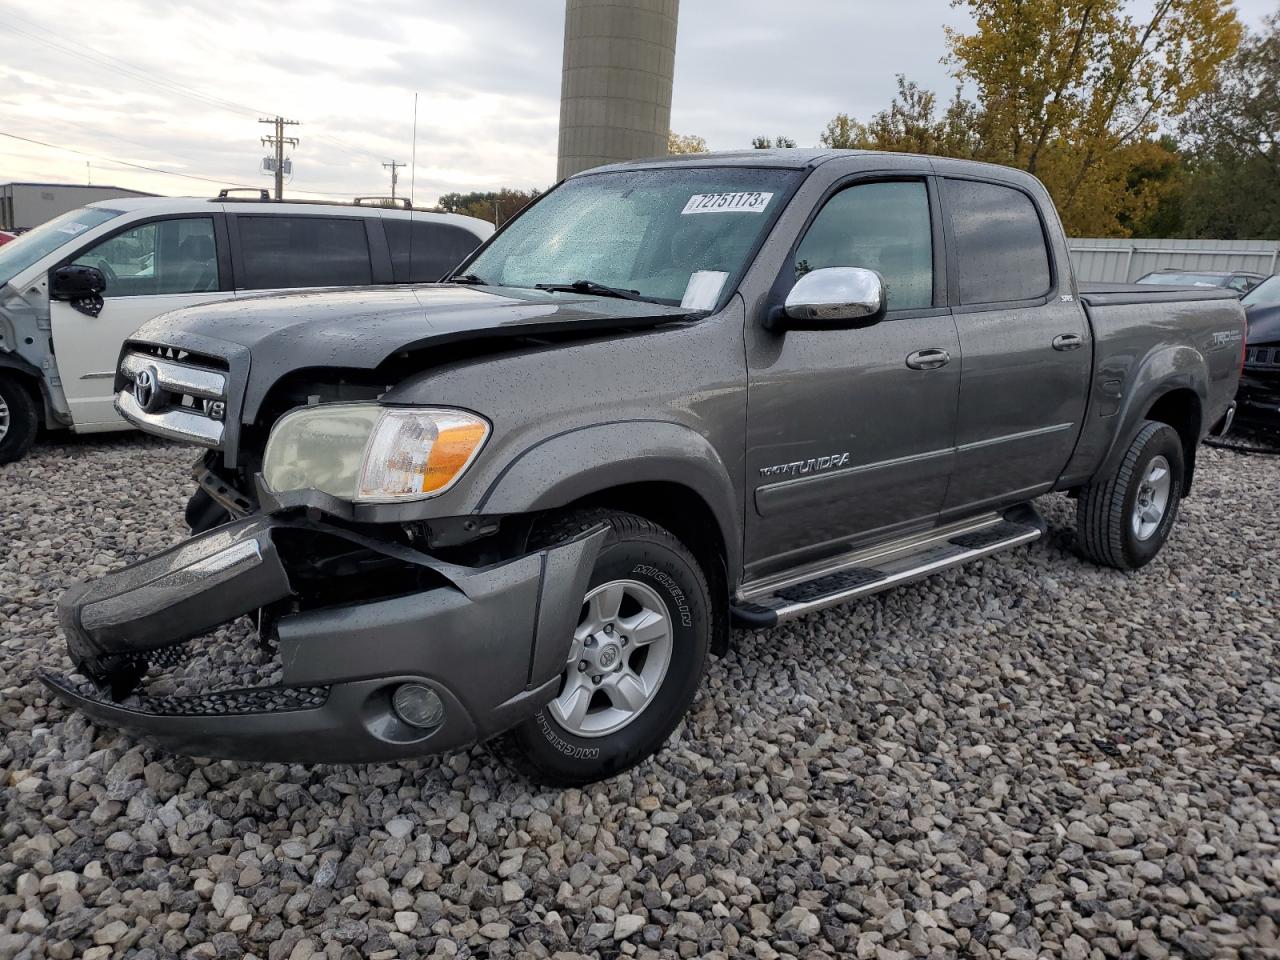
(829, 295)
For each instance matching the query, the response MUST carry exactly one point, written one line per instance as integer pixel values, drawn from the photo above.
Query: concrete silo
(615, 93)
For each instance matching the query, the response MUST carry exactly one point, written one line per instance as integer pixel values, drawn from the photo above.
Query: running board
(888, 566)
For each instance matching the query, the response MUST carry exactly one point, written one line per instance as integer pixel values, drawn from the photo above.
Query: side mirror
(833, 298)
(75, 282)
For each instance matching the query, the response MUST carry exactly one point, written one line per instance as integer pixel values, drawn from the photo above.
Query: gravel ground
(1026, 757)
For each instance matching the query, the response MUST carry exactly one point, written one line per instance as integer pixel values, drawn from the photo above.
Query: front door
(846, 442)
(150, 268)
(1026, 346)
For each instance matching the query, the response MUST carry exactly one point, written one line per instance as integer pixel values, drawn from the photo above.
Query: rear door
(151, 267)
(847, 442)
(1025, 343)
(275, 251)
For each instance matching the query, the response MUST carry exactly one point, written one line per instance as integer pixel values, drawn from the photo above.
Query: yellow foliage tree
(1069, 90)
(685, 143)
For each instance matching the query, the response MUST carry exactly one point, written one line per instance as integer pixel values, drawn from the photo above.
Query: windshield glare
(671, 235)
(17, 255)
(1265, 294)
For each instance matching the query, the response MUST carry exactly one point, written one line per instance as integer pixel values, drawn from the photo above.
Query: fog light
(417, 705)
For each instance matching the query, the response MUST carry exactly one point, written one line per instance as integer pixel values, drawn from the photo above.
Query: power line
(85, 53)
(279, 141)
(122, 163)
(393, 166)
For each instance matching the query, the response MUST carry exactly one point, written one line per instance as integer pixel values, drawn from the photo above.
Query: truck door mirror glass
(833, 298)
(77, 282)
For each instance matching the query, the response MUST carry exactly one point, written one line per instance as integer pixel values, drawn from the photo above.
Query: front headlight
(370, 453)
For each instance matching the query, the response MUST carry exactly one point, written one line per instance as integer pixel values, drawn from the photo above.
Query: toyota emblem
(145, 389)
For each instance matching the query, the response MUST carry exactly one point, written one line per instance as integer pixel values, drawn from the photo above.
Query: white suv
(73, 289)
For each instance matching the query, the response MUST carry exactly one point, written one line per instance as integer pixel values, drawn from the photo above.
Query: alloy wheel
(619, 656)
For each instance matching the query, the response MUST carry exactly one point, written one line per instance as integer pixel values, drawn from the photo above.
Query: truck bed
(1118, 294)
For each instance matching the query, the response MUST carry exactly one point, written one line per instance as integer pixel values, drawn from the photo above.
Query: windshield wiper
(593, 288)
(470, 278)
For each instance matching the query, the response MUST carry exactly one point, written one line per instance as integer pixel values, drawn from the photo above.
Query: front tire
(636, 659)
(1125, 517)
(19, 420)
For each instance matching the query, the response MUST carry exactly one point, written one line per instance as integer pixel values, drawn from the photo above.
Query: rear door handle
(928, 359)
(1067, 341)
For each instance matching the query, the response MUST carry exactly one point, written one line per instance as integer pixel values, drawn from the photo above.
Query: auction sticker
(750, 202)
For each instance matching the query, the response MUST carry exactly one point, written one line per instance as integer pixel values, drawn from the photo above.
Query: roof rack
(262, 194)
(403, 203)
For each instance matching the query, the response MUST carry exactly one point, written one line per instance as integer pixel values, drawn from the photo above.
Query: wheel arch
(1181, 408)
(1170, 387)
(665, 472)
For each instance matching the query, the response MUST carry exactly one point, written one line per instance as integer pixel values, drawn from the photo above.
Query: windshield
(1265, 294)
(670, 235)
(17, 255)
(1185, 279)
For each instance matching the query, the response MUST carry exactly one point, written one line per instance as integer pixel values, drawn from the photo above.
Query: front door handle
(928, 359)
(1067, 341)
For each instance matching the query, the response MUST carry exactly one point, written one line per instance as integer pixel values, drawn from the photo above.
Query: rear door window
(436, 248)
(289, 251)
(161, 257)
(1000, 245)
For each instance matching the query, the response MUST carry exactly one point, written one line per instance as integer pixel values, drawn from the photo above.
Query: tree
(764, 143)
(1069, 90)
(496, 206)
(1233, 135)
(685, 143)
(911, 124)
(1068, 85)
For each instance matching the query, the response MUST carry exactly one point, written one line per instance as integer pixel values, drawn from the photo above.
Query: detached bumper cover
(491, 642)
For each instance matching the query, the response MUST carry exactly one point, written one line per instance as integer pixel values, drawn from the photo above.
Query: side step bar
(846, 578)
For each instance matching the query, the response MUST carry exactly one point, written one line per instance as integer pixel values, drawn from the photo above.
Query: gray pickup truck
(670, 396)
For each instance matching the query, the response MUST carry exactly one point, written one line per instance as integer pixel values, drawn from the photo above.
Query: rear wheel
(635, 660)
(1124, 518)
(19, 419)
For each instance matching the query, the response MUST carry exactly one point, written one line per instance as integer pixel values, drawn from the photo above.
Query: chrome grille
(174, 394)
(1262, 356)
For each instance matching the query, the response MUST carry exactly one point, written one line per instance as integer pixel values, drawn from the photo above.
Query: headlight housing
(368, 453)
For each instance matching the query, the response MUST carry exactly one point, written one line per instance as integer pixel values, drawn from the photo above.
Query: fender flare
(565, 467)
(51, 417)
(1161, 371)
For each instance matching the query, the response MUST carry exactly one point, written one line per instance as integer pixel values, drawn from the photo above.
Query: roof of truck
(801, 158)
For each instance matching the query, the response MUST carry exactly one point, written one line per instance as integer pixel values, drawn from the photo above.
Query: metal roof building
(27, 205)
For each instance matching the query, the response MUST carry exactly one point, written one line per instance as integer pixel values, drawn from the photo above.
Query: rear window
(281, 252)
(1000, 245)
(436, 248)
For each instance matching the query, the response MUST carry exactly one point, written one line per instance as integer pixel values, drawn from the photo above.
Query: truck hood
(1264, 324)
(263, 338)
(361, 326)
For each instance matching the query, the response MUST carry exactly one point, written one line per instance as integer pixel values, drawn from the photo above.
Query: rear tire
(1125, 517)
(633, 690)
(19, 419)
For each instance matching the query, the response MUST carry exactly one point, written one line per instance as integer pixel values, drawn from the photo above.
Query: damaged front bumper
(489, 642)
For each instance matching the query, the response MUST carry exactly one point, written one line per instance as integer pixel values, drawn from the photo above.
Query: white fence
(1107, 260)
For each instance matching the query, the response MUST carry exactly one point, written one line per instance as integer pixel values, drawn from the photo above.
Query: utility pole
(395, 177)
(279, 141)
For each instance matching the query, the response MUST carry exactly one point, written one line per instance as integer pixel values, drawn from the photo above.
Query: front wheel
(19, 420)
(635, 660)
(1123, 518)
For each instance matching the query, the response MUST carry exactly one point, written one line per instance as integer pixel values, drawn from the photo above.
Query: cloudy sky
(179, 87)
